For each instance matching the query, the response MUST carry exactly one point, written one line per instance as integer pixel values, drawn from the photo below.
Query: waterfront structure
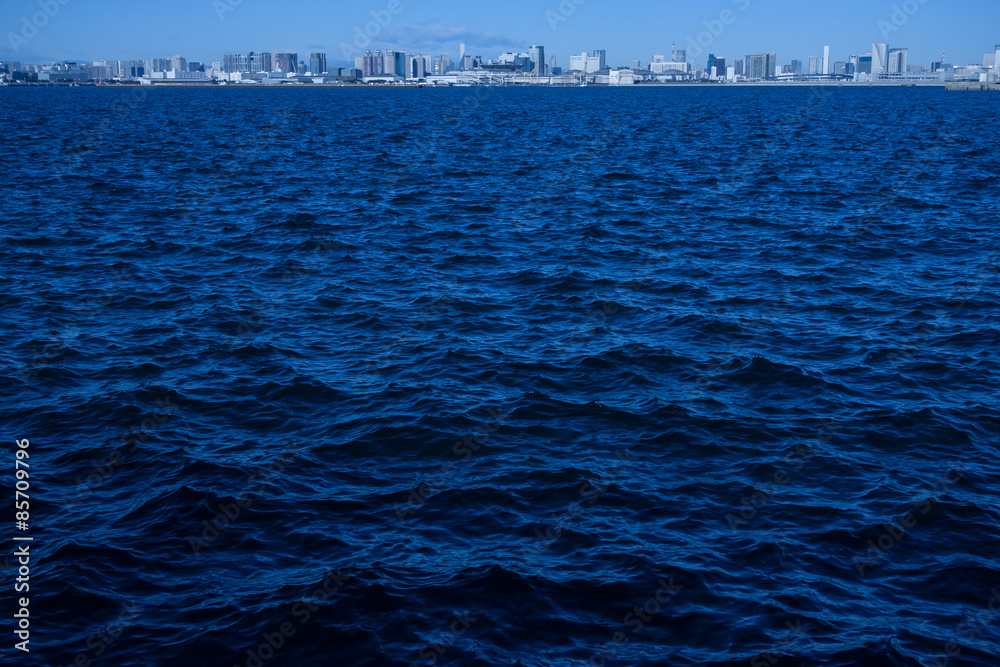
(621, 77)
(826, 60)
(317, 63)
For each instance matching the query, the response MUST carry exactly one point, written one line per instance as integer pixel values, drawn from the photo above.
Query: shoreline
(414, 86)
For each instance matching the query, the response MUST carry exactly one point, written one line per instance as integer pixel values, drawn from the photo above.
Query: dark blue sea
(501, 377)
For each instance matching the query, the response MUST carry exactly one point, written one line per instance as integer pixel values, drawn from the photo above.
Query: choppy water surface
(670, 376)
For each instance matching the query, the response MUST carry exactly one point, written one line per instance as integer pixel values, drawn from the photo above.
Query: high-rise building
(865, 64)
(158, 65)
(813, 65)
(796, 67)
(711, 62)
(442, 64)
(880, 57)
(416, 67)
(681, 56)
(897, 61)
(996, 63)
(395, 63)
(762, 65)
(602, 59)
(178, 63)
(720, 67)
(235, 62)
(738, 68)
(826, 60)
(317, 63)
(372, 64)
(584, 62)
(537, 55)
(258, 62)
(553, 64)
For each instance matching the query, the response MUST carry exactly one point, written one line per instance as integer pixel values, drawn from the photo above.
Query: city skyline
(204, 30)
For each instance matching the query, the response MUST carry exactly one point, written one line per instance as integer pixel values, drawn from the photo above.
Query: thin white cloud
(438, 38)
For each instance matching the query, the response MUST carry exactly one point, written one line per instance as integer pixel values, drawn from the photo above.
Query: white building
(880, 57)
(826, 60)
(585, 62)
(621, 77)
(897, 61)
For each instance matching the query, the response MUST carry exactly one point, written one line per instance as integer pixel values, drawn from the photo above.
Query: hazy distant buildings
(317, 63)
(283, 62)
(813, 65)
(395, 63)
(880, 58)
(442, 64)
(588, 63)
(897, 61)
(418, 67)
(761, 66)
(258, 62)
(537, 55)
(372, 64)
(235, 62)
(796, 67)
(178, 63)
(158, 65)
(996, 63)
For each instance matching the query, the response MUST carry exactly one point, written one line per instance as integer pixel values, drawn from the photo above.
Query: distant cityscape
(881, 64)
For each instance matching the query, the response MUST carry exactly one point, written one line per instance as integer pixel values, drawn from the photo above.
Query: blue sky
(86, 30)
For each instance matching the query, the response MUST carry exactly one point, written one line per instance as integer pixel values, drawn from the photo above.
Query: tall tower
(996, 64)
(826, 60)
(880, 53)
